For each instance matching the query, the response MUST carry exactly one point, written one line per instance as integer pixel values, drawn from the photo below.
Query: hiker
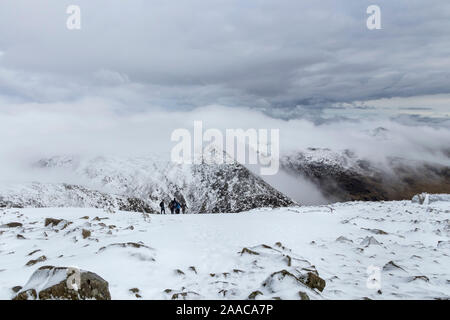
(161, 205)
(183, 207)
(173, 205)
(177, 207)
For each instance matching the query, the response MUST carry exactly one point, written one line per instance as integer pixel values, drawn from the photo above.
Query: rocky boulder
(64, 283)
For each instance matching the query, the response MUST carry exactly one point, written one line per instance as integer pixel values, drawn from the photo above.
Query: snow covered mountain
(139, 184)
(343, 176)
(355, 250)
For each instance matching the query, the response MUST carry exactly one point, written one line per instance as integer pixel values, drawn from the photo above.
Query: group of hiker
(174, 207)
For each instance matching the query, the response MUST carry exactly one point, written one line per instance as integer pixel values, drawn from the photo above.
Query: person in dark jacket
(172, 205)
(183, 207)
(161, 205)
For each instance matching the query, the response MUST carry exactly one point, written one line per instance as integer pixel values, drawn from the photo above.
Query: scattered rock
(85, 233)
(125, 245)
(192, 268)
(20, 237)
(248, 251)
(288, 260)
(52, 222)
(12, 225)
(254, 294)
(16, 289)
(33, 262)
(99, 219)
(280, 245)
(33, 252)
(303, 295)
(343, 239)
(391, 266)
(314, 281)
(368, 241)
(376, 231)
(423, 278)
(179, 272)
(189, 295)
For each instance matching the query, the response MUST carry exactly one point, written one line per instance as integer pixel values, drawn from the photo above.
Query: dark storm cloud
(288, 55)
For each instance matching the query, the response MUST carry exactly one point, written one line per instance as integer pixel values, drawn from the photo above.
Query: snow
(322, 156)
(43, 279)
(200, 255)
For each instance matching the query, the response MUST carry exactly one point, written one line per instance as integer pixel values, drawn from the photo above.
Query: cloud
(95, 127)
(138, 69)
(264, 54)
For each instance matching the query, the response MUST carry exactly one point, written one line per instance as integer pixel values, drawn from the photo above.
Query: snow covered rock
(297, 280)
(62, 283)
(426, 199)
(283, 281)
(368, 241)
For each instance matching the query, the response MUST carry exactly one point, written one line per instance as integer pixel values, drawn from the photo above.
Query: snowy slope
(202, 257)
(140, 183)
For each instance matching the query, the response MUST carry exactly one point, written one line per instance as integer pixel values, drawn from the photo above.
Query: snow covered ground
(202, 256)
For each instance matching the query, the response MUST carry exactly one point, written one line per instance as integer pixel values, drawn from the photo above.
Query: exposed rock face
(314, 281)
(342, 176)
(85, 233)
(139, 184)
(60, 283)
(52, 222)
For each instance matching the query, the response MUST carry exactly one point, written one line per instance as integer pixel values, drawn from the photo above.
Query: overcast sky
(138, 69)
(281, 56)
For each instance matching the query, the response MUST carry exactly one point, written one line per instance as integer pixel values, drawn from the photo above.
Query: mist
(94, 127)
